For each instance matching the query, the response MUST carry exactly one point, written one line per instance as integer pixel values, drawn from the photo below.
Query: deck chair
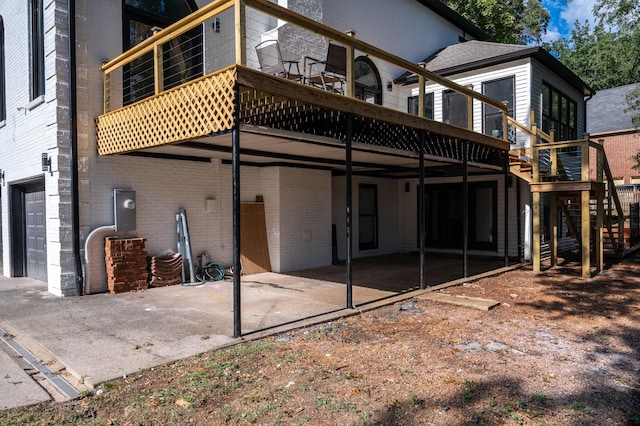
(270, 59)
(330, 74)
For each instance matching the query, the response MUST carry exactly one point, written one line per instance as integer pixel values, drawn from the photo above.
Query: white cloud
(552, 34)
(577, 10)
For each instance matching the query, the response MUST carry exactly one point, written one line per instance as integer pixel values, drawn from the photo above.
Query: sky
(564, 14)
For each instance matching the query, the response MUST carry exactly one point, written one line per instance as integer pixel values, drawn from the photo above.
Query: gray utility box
(124, 209)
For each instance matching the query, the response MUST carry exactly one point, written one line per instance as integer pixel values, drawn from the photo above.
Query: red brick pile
(126, 261)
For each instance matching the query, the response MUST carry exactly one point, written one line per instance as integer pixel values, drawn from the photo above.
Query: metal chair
(270, 59)
(331, 73)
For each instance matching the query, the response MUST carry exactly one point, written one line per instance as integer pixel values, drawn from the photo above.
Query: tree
(602, 58)
(506, 21)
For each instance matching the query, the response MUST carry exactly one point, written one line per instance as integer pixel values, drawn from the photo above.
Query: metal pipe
(421, 211)
(73, 123)
(519, 220)
(235, 176)
(349, 171)
(87, 240)
(465, 210)
(506, 209)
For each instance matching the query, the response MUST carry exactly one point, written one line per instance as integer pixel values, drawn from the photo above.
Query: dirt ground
(558, 350)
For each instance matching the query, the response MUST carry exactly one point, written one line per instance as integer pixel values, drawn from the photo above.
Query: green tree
(506, 21)
(602, 58)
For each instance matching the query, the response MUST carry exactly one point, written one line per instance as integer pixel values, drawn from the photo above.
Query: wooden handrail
(218, 6)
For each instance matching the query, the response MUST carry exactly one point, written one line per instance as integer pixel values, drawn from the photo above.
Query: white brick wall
(388, 215)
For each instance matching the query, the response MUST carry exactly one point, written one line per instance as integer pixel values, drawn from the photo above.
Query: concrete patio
(96, 338)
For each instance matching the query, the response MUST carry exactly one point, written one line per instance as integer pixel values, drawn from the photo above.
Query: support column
(349, 171)
(421, 221)
(586, 234)
(465, 210)
(553, 228)
(506, 209)
(235, 176)
(598, 240)
(536, 231)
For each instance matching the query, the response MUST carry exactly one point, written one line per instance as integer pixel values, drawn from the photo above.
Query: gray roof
(475, 54)
(469, 53)
(605, 111)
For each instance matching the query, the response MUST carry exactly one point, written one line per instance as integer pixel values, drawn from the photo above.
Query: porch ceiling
(286, 123)
(265, 147)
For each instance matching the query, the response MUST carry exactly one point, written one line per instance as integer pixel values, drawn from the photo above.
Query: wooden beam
(293, 90)
(567, 186)
(536, 230)
(241, 32)
(586, 234)
(553, 228)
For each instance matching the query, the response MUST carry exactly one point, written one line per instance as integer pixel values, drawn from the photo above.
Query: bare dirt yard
(558, 350)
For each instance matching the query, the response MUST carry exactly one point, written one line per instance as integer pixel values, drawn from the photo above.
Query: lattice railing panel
(260, 108)
(199, 108)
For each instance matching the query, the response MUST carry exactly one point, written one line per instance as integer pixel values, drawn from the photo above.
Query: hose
(210, 272)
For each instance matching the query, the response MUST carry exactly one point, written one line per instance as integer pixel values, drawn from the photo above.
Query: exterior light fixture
(46, 163)
(2, 177)
(216, 25)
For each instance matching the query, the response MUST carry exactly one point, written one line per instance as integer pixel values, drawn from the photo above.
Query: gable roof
(606, 110)
(477, 54)
(455, 18)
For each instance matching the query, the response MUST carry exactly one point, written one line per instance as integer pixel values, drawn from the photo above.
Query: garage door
(36, 233)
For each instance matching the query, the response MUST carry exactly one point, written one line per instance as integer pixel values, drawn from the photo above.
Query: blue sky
(564, 13)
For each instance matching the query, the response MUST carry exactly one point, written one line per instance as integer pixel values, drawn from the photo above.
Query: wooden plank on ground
(470, 302)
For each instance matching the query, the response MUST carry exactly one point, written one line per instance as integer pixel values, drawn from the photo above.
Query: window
(368, 83)
(502, 91)
(3, 87)
(559, 113)
(454, 109)
(412, 105)
(36, 44)
(368, 216)
(182, 57)
(444, 217)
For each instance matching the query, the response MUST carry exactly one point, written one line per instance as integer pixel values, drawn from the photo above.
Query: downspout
(73, 114)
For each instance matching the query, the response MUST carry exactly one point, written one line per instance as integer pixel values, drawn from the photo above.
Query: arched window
(3, 93)
(368, 83)
(182, 57)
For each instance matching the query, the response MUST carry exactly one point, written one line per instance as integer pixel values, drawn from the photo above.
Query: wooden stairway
(584, 193)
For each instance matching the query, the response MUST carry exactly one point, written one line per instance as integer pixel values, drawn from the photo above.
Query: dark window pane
(502, 91)
(454, 109)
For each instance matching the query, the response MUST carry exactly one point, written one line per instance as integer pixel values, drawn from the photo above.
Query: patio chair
(330, 74)
(270, 59)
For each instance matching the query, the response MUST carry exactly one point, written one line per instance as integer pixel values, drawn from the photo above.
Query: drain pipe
(73, 115)
(100, 229)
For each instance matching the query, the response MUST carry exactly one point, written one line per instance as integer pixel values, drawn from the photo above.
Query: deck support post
(598, 239)
(536, 230)
(421, 221)
(553, 228)
(465, 210)
(585, 229)
(349, 177)
(235, 176)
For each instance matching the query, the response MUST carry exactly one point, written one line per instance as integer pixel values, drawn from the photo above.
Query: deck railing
(173, 44)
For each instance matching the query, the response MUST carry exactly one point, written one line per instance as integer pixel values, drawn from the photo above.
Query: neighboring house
(60, 165)
(609, 122)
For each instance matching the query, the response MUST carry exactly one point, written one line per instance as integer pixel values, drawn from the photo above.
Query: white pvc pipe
(110, 228)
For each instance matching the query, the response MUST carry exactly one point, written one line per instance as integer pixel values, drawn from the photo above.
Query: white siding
(542, 74)
(520, 70)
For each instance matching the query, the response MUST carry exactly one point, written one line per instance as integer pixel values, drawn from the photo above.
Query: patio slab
(100, 337)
